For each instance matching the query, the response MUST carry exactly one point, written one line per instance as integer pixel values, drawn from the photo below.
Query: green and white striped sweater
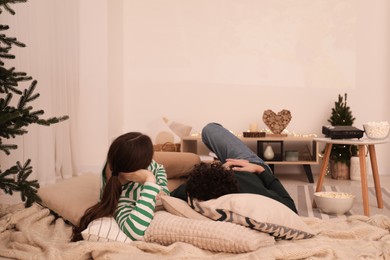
(137, 202)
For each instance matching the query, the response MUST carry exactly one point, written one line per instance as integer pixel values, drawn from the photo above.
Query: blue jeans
(226, 145)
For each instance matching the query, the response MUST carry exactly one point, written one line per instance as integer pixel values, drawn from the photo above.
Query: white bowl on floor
(333, 202)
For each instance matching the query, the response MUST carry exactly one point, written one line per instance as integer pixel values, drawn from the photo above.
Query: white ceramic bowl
(332, 202)
(376, 130)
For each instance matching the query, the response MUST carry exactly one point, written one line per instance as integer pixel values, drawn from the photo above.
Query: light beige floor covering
(34, 233)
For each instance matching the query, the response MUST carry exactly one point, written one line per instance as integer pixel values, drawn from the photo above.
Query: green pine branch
(8, 147)
(6, 44)
(5, 4)
(9, 80)
(14, 120)
(16, 179)
(52, 120)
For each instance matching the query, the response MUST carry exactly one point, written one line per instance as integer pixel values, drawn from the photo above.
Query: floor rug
(303, 197)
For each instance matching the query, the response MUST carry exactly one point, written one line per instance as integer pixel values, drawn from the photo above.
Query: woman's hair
(127, 153)
(210, 181)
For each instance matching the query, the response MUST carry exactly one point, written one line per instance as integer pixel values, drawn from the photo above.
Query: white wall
(118, 99)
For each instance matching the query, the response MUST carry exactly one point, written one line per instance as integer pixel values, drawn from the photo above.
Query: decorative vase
(355, 168)
(339, 170)
(268, 153)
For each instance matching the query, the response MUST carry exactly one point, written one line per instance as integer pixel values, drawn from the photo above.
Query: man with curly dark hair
(240, 171)
(207, 182)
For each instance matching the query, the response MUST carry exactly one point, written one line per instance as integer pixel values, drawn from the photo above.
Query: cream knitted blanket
(34, 233)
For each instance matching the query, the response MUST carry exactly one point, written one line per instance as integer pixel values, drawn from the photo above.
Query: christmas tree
(16, 113)
(342, 115)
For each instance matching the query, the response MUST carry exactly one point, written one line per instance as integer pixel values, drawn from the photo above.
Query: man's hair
(210, 181)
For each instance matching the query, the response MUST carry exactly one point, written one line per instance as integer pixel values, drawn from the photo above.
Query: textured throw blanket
(34, 233)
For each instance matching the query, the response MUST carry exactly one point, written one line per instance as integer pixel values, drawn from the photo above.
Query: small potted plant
(340, 155)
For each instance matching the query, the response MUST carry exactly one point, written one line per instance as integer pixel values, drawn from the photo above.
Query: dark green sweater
(265, 184)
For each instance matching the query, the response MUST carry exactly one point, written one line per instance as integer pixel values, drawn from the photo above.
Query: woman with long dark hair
(131, 182)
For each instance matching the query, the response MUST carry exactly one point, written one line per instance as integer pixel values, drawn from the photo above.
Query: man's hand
(241, 165)
(140, 176)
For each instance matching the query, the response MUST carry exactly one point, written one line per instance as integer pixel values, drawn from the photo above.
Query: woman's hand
(140, 176)
(241, 165)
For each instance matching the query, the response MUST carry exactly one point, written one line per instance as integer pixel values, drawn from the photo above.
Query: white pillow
(104, 229)
(167, 229)
(257, 212)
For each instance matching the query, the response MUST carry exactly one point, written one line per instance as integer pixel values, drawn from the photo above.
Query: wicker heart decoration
(276, 122)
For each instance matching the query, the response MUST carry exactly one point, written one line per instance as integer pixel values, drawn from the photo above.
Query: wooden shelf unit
(306, 147)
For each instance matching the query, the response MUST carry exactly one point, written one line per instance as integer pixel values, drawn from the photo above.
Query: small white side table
(360, 143)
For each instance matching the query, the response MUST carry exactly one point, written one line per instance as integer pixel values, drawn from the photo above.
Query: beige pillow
(173, 183)
(176, 164)
(167, 229)
(257, 212)
(71, 197)
(215, 236)
(180, 208)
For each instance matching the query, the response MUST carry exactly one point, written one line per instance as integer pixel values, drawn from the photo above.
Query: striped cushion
(257, 212)
(104, 230)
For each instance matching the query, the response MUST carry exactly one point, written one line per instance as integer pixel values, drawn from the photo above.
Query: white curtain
(50, 29)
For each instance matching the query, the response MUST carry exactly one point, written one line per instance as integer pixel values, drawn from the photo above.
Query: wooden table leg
(309, 173)
(375, 174)
(325, 162)
(363, 174)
